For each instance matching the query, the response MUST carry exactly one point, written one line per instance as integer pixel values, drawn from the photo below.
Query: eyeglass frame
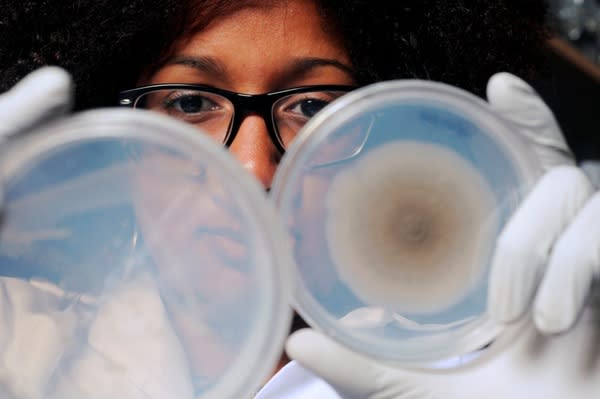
(261, 104)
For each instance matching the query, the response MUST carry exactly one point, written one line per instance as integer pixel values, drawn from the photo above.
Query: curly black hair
(105, 44)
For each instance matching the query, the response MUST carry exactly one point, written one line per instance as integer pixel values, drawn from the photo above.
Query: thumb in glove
(43, 94)
(532, 119)
(354, 376)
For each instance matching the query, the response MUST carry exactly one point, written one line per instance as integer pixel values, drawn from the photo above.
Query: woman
(257, 47)
(260, 47)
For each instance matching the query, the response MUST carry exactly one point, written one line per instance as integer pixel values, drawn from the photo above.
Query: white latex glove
(521, 106)
(553, 238)
(44, 94)
(523, 363)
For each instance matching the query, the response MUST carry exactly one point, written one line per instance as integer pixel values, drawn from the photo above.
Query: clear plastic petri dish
(393, 196)
(139, 260)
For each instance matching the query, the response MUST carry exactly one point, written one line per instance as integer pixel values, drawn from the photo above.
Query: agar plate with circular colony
(394, 196)
(139, 260)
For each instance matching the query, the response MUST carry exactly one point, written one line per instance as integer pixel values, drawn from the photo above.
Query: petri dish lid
(394, 195)
(142, 261)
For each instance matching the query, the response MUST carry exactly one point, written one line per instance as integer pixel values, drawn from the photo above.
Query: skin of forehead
(257, 49)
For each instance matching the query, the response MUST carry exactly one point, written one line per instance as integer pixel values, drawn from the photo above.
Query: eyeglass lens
(210, 112)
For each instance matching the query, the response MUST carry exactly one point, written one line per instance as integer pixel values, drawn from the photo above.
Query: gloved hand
(523, 363)
(553, 238)
(44, 94)
(552, 242)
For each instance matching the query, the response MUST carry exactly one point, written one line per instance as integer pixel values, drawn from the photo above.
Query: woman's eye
(309, 107)
(190, 104)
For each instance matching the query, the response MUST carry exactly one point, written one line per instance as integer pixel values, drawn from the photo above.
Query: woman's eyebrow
(201, 63)
(298, 67)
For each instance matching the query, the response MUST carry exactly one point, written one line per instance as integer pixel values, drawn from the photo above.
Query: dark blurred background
(574, 92)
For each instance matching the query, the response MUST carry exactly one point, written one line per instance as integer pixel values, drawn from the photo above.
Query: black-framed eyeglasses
(220, 113)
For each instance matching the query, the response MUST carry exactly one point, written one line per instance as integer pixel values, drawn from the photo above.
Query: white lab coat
(52, 348)
(295, 382)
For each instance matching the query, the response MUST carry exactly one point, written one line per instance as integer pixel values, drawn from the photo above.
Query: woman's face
(253, 50)
(256, 50)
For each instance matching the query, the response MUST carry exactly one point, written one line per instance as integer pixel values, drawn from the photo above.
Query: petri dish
(393, 197)
(140, 260)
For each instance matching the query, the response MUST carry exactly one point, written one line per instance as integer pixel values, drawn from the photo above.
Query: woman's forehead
(293, 20)
(271, 40)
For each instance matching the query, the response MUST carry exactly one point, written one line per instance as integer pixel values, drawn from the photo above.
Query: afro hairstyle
(106, 44)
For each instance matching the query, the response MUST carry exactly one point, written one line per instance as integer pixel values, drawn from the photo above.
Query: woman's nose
(253, 147)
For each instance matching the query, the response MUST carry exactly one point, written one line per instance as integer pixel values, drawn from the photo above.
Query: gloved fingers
(518, 102)
(343, 369)
(524, 246)
(350, 374)
(574, 265)
(591, 168)
(43, 94)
